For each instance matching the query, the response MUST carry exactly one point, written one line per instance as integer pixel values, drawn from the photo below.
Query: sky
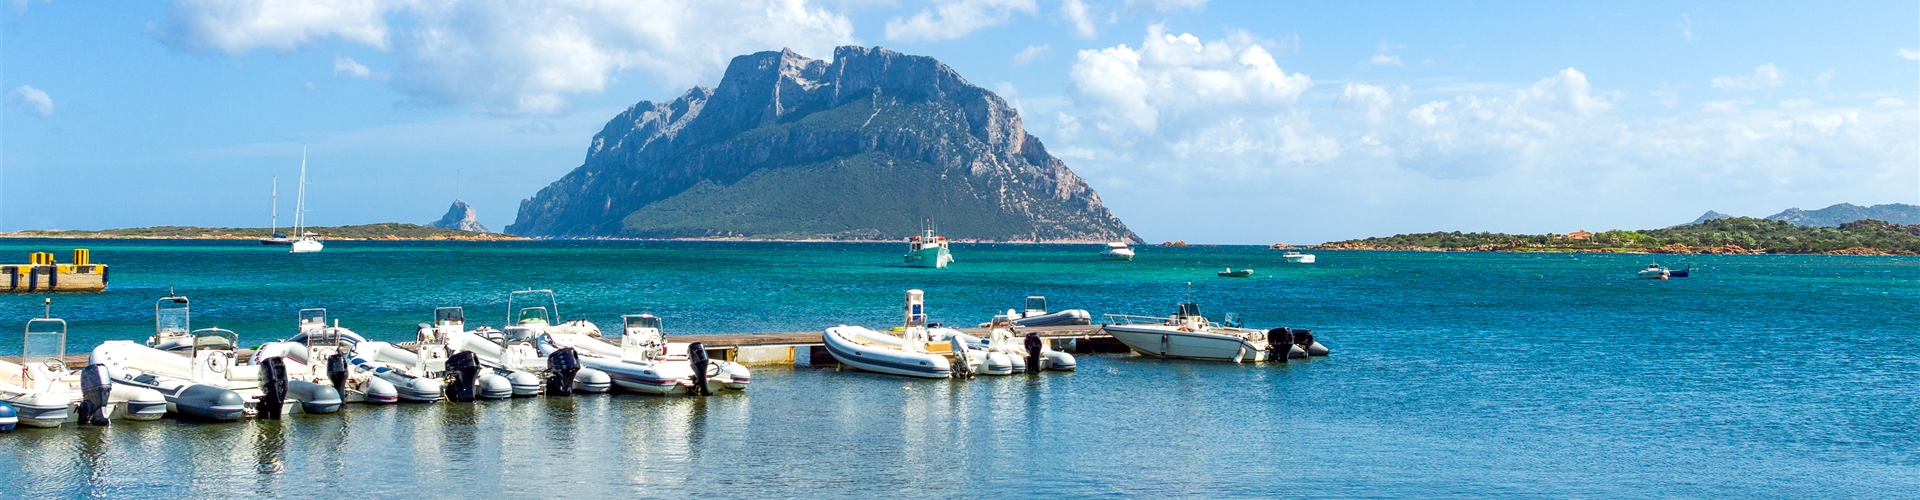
(1206, 121)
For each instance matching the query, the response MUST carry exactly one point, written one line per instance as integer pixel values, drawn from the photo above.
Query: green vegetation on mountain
(1729, 235)
(381, 231)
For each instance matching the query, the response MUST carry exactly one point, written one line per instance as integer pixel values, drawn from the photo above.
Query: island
(1731, 235)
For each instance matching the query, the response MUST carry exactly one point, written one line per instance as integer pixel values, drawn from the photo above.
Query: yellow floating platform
(43, 275)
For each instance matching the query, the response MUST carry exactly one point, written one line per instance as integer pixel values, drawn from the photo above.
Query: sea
(1452, 375)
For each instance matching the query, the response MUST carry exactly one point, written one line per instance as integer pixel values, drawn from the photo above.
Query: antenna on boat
(48, 313)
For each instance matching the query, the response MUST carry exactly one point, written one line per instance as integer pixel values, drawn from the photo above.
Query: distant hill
(1834, 216)
(870, 145)
(1735, 235)
(381, 231)
(461, 217)
(1710, 215)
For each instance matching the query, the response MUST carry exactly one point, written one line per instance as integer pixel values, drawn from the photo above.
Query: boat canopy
(445, 316)
(1189, 309)
(533, 315)
(208, 339)
(1036, 304)
(643, 320)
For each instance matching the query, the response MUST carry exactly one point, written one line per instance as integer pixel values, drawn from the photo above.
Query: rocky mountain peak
(463, 217)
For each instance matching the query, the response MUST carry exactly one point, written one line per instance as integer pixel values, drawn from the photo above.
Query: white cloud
(517, 58)
(30, 100)
(1075, 12)
(1686, 27)
(1174, 75)
(1382, 58)
(1890, 102)
(1908, 54)
(1764, 76)
(955, 18)
(1369, 99)
(1728, 106)
(343, 65)
(1031, 53)
(1166, 5)
(1802, 103)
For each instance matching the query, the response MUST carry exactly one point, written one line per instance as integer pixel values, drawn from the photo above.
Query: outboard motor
(273, 388)
(1304, 339)
(697, 356)
(1033, 346)
(95, 386)
(561, 366)
(337, 372)
(1279, 341)
(465, 368)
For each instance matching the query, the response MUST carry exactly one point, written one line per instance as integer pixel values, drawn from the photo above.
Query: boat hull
(306, 246)
(933, 257)
(881, 358)
(43, 411)
(1067, 317)
(1167, 342)
(8, 417)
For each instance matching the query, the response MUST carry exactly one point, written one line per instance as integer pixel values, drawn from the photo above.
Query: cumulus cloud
(515, 58)
(1075, 12)
(343, 65)
(955, 18)
(1546, 155)
(1908, 54)
(1031, 53)
(1763, 76)
(1175, 75)
(30, 100)
(1166, 5)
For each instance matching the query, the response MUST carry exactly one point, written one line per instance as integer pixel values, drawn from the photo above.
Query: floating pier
(43, 275)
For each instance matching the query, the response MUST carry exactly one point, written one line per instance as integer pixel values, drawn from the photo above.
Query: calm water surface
(1453, 375)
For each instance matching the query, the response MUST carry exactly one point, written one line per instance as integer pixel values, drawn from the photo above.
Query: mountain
(1834, 216)
(1710, 215)
(461, 217)
(871, 145)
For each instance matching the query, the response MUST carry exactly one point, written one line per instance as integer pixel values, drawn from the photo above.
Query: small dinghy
(913, 354)
(527, 323)
(646, 362)
(469, 373)
(45, 393)
(1002, 338)
(1230, 273)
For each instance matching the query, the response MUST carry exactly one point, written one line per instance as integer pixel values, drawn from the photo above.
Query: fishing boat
(273, 234)
(1654, 272)
(1035, 314)
(1117, 251)
(1230, 273)
(1187, 335)
(928, 250)
(1298, 258)
(912, 354)
(308, 242)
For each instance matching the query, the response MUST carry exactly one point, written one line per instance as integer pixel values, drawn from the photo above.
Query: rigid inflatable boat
(45, 393)
(645, 362)
(912, 354)
(527, 323)
(1035, 314)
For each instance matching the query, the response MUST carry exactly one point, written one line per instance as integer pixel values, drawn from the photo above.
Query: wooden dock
(782, 347)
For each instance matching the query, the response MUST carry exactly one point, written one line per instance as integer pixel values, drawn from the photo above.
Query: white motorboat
(41, 390)
(431, 341)
(527, 323)
(644, 343)
(979, 355)
(1187, 335)
(1298, 258)
(518, 363)
(308, 242)
(172, 325)
(1002, 338)
(928, 250)
(912, 354)
(370, 371)
(1654, 272)
(1117, 251)
(215, 361)
(1035, 314)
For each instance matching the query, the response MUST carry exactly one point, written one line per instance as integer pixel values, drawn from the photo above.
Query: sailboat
(274, 236)
(307, 243)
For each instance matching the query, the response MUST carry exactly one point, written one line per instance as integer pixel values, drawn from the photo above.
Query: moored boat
(1230, 273)
(1654, 272)
(1298, 258)
(928, 250)
(912, 354)
(1117, 250)
(1188, 335)
(1035, 314)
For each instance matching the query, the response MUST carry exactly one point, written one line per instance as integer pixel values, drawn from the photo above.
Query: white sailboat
(307, 242)
(273, 235)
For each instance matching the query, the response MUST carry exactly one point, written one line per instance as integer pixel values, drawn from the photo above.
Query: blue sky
(1224, 122)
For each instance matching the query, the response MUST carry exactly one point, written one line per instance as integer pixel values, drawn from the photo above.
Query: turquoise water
(1453, 375)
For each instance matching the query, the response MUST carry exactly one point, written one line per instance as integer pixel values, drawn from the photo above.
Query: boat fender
(95, 385)
(562, 364)
(337, 372)
(465, 368)
(273, 388)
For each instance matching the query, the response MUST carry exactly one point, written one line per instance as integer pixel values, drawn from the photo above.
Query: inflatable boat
(912, 354)
(645, 362)
(530, 315)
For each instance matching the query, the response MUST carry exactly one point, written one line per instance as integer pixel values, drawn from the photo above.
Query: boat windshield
(46, 338)
(215, 339)
(641, 321)
(312, 319)
(448, 315)
(1189, 309)
(1036, 304)
(533, 315)
(170, 316)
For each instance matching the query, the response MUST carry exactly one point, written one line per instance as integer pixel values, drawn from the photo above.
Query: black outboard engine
(337, 372)
(1279, 341)
(465, 368)
(273, 388)
(1033, 352)
(1304, 339)
(95, 386)
(697, 356)
(562, 365)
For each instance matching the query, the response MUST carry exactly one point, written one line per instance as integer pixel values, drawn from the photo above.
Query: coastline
(1674, 249)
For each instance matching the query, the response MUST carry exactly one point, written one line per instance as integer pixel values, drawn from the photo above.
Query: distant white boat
(1117, 251)
(1654, 272)
(928, 250)
(308, 242)
(1299, 258)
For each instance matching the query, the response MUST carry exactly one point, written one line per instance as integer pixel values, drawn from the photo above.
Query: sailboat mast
(300, 201)
(275, 231)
